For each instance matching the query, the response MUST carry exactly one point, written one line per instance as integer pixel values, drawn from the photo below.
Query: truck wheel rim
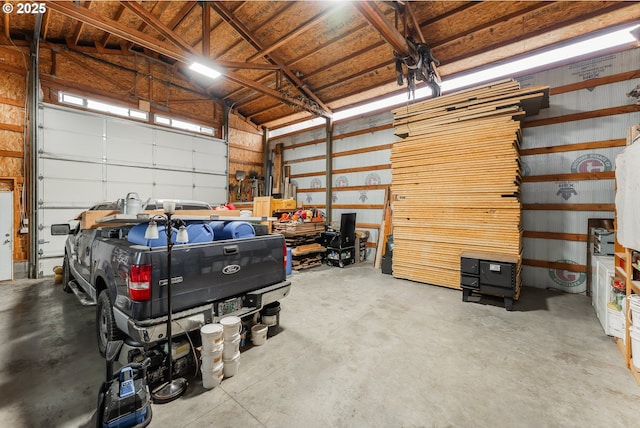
(103, 326)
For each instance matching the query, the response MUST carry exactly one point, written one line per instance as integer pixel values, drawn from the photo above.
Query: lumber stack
(456, 178)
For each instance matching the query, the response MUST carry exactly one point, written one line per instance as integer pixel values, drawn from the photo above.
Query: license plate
(229, 306)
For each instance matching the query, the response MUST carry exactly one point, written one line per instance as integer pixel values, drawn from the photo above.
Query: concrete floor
(357, 349)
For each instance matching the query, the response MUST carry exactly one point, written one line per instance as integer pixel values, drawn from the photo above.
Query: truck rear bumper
(155, 330)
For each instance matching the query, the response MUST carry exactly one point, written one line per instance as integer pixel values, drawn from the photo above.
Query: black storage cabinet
(489, 274)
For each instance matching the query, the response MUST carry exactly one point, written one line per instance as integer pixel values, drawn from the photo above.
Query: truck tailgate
(213, 271)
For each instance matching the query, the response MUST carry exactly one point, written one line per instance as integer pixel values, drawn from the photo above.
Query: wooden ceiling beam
(246, 34)
(117, 17)
(79, 27)
(206, 30)
(295, 33)
(7, 22)
(183, 54)
(388, 32)
(159, 8)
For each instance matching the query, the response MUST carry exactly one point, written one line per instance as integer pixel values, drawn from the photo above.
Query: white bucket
(634, 333)
(211, 336)
(269, 320)
(231, 365)
(211, 358)
(634, 306)
(259, 334)
(232, 326)
(212, 378)
(231, 347)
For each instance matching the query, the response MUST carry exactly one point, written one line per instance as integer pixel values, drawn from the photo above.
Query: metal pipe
(329, 169)
(33, 88)
(266, 164)
(225, 131)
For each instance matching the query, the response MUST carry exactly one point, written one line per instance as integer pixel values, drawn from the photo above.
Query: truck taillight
(140, 282)
(284, 248)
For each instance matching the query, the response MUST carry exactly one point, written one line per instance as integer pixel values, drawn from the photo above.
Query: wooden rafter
(107, 35)
(244, 32)
(6, 22)
(206, 31)
(183, 52)
(79, 27)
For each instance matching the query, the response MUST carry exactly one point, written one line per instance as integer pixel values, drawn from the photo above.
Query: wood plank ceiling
(287, 60)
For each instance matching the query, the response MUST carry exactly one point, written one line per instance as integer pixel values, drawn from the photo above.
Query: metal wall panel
(600, 191)
(85, 158)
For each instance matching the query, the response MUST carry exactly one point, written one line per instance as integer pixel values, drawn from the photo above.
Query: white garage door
(85, 158)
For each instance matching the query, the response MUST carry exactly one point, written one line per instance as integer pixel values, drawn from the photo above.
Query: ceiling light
(203, 69)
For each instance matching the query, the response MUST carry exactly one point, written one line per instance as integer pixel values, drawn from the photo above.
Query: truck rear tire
(106, 328)
(66, 275)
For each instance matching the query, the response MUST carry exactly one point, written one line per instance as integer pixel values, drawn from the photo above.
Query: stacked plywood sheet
(456, 177)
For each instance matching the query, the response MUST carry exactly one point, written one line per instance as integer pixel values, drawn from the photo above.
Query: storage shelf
(635, 287)
(621, 272)
(621, 255)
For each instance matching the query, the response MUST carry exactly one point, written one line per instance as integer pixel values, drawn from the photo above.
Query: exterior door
(6, 236)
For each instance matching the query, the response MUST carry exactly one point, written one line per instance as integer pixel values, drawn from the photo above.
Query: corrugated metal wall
(564, 187)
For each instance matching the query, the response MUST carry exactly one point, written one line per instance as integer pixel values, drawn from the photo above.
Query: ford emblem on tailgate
(231, 269)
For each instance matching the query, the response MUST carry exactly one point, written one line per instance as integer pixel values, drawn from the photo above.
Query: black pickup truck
(128, 281)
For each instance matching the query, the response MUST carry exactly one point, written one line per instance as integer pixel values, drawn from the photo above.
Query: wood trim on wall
(577, 176)
(592, 114)
(579, 237)
(555, 265)
(569, 207)
(603, 144)
(598, 81)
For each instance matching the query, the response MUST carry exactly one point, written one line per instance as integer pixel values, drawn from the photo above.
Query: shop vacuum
(124, 400)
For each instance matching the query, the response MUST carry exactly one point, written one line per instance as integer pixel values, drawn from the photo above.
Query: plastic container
(199, 232)
(634, 333)
(270, 315)
(212, 378)
(210, 359)
(259, 334)
(232, 365)
(289, 267)
(231, 347)
(634, 307)
(231, 325)
(212, 336)
(136, 236)
(232, 230)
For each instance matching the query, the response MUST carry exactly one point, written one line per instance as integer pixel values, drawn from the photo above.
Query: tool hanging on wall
(240, 175)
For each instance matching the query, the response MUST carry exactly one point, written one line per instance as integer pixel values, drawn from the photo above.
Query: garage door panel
(174, 158)
(122, 180)
(211, 155)
(135, 153)
(55, 168)
(128, 131)
(81, 167)
(70, 145)
(172, 139)
(79, 122)
(75, 193)
(173, 184)
(209, 188)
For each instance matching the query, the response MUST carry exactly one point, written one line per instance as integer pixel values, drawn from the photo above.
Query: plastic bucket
(231, 325)
(211, 358)
(231, 347)
(235, 229)
(136, 236)
(231, 365)
(259, 334)
(289, 267)
(634, 333)
(211, 335)
(634, 306)
(270, 315)
(212, 378)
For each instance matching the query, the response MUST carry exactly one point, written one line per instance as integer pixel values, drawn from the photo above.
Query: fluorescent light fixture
(203, 69)
(594, 44)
